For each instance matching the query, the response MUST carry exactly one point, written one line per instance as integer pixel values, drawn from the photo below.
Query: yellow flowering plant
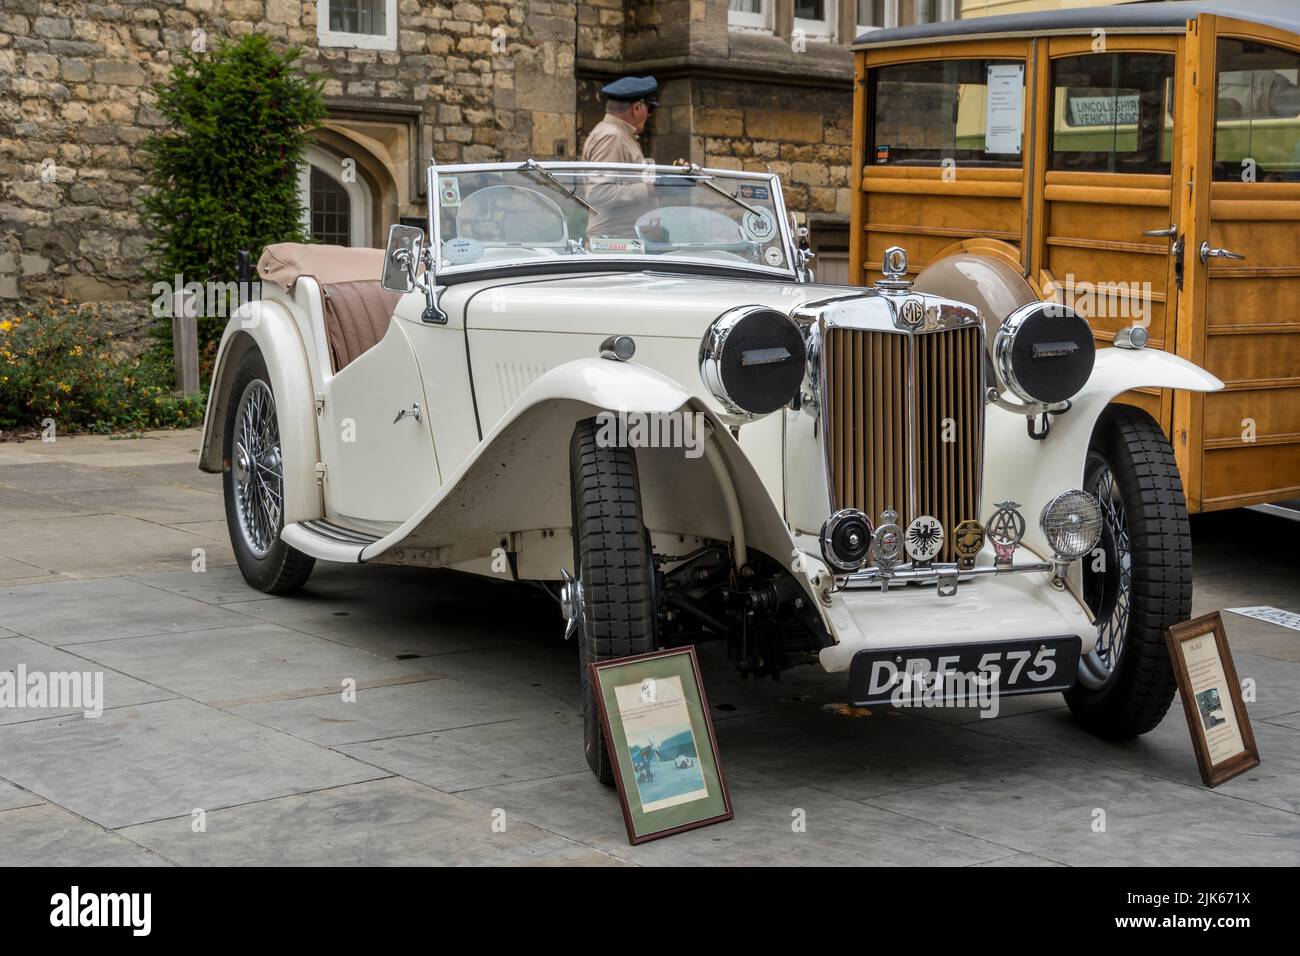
(56, 361)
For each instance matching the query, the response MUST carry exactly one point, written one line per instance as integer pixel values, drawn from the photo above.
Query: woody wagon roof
(1284, 14)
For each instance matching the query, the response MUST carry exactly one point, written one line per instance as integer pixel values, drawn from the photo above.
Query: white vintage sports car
(666, 422)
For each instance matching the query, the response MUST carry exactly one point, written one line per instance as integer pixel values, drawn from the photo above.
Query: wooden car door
(1238, 318)
(1105, 227)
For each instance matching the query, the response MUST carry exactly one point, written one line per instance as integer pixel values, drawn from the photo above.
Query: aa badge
(1006, 528)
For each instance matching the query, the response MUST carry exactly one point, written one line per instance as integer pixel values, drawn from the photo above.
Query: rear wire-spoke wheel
(613, 565)
(1140, 583)
(254, 484)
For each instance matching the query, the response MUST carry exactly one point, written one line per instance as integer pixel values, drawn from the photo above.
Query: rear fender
(267, 326)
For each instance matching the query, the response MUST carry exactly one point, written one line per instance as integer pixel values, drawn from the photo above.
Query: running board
(327, 541)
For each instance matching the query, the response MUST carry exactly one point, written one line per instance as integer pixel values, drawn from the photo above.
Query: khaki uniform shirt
(619, 202)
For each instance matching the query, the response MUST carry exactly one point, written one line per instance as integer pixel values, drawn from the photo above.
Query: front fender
(267, 326)
(1031, 472)
(517, 479)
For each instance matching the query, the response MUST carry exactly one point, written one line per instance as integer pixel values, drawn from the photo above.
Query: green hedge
(224, 169)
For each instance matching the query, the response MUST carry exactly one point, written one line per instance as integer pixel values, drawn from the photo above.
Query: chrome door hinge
(320, 473)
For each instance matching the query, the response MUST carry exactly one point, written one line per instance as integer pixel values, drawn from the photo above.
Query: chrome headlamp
(752, 359)
(1071, 523)
(845, 540)
(1044, 352)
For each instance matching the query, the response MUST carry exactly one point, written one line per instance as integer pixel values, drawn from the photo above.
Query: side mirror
(402, 258)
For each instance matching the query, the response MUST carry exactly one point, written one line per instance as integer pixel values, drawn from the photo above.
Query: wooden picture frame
(1221, 733)
(659, 733)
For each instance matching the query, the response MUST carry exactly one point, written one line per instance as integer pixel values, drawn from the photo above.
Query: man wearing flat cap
(620, 201)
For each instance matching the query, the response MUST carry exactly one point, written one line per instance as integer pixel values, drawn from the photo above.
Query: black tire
(611, 557)
(280, 569)
(1131, 468)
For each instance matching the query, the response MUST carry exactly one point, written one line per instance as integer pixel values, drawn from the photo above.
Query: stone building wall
(469, 81)
(75, 105)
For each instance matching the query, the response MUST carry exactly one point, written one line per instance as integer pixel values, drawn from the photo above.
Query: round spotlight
(846, 539)
(1044, 352)
(752, 359)
(1071, 523)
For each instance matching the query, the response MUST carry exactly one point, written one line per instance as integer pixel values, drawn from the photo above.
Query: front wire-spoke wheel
(1107, 577)
(614, 567)
(1139, 582)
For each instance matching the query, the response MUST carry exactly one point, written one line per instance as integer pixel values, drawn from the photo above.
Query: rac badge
(888, 542)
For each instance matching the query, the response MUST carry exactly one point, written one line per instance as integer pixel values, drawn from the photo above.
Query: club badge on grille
(924, 539)
(1006, 528)
(968, 542)
(888, 542)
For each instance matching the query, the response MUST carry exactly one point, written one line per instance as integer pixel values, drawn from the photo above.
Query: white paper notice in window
(1004, 119)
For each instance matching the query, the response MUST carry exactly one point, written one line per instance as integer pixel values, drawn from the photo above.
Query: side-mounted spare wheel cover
(1044, 352)
(752, 359)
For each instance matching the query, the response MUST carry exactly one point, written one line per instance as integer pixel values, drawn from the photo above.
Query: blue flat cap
(631, 88)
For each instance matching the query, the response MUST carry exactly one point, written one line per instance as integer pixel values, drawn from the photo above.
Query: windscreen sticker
(611, 246)
(774, 256)
(461, 250)
(750, 191)
(759, 226)
(882, 154)
(449, 191)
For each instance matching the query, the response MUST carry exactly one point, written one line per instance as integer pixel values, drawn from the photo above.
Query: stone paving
(224, 700)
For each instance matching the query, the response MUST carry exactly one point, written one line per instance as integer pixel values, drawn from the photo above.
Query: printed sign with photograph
(1216, 714)
(656, 721)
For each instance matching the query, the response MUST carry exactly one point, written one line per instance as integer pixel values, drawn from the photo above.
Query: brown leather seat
(356, 317)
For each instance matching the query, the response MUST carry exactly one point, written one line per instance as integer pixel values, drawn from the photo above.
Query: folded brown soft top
(283, 262)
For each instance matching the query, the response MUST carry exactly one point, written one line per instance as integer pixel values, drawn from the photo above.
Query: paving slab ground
(225, 737)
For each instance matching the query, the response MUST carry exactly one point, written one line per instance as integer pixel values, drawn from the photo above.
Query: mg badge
(911, 313)
(924, 539)
(968, 542)
(888, 542)
(1006, 528)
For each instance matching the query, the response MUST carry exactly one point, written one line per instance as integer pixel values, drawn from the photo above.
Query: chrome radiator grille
(904, 423)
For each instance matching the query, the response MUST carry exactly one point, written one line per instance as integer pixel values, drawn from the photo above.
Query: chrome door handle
(1208, 252)
(412, 412)
(1162, 233)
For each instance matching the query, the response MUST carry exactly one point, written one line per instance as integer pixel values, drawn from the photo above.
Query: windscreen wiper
(695, 172)
(533, 166)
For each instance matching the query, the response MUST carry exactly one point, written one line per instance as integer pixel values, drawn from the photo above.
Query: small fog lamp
(1071, 523)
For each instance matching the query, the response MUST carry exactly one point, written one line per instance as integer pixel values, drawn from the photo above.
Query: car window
(1256, 113)
(1113, 113)
(970, 112)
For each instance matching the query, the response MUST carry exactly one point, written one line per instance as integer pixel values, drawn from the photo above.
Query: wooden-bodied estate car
(1139, 161)
(669, 425)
